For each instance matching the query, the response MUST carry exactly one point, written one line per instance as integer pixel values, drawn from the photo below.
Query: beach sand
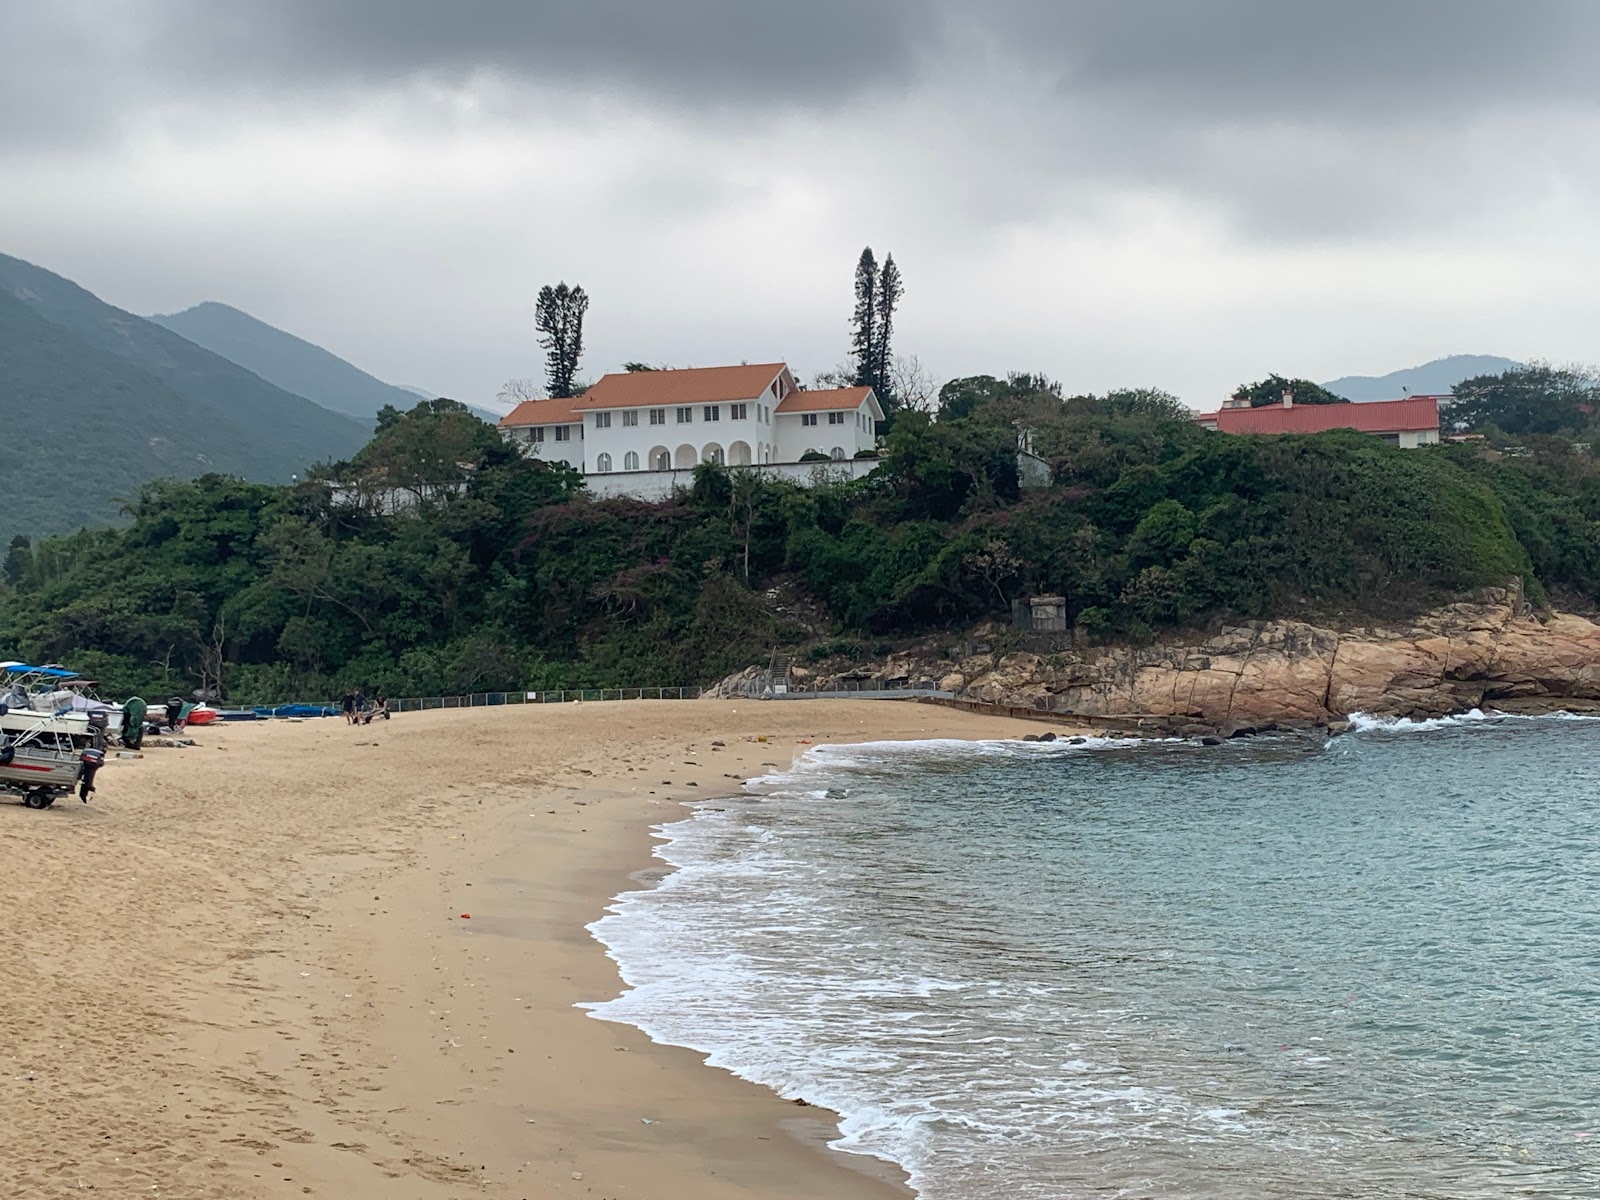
(305, 959)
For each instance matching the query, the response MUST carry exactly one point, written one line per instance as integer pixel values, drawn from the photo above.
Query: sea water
(1365, 968)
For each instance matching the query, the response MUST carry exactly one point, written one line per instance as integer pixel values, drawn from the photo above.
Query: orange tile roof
(831, 399)
(1371, 416)
(690, 385)
(543, 412)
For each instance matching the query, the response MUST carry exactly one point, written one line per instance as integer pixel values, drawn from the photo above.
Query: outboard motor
(89, 762)
(8, 750)
(174, 711)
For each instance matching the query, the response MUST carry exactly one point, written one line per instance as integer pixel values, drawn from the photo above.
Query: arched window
(838, 453)
(603, 463)
(660, 459)
(630, 461)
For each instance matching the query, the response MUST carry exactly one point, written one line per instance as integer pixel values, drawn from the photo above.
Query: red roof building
(1407, 423)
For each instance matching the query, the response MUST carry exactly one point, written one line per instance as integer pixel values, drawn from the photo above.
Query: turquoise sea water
(1365, 969)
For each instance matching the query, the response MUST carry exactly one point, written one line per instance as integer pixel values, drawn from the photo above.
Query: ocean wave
(1368, 723)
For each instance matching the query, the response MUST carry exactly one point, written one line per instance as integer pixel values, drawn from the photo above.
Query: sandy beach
(305, 959)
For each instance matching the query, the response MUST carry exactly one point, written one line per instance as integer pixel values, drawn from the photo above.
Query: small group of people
(358, 710)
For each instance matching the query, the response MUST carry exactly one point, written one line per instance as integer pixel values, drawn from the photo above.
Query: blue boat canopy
(16, 668)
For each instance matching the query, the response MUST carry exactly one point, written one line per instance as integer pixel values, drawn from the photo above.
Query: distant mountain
(95, 401)
(290, 427)
(281, 358)
(1431, 379)
(83, 428)
(292, 363)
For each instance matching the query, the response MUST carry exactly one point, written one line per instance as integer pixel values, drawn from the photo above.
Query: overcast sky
(1179, 193)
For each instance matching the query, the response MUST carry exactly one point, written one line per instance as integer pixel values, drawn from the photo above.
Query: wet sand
(305, 959)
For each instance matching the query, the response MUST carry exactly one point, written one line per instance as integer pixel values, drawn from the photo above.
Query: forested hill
(517, 578)
(285, 360)
(83, 427)
(277, 433)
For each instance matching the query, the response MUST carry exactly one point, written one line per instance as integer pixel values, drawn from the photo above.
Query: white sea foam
(1368, 723)
(751, 952)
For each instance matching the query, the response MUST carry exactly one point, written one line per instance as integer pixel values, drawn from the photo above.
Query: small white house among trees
(637, 433)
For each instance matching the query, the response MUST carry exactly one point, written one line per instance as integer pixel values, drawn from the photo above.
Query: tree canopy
(558, 315)
(1271, 389)
(512, 576)
(1537, 399)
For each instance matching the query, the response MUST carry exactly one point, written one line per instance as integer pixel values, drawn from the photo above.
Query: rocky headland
(1494, 653)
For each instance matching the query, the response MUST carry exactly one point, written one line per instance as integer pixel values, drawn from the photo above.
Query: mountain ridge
(96, 401)
(1436, 378)
(291, 362)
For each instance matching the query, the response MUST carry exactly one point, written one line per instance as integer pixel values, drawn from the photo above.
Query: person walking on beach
(348, 703)
(361, 705)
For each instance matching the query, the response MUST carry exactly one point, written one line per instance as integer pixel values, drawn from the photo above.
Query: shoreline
(309, 959)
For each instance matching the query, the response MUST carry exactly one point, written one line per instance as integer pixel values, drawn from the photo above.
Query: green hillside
(292, 363)
(287, 432)
(519, 579)
(83, 427)
(289, 362)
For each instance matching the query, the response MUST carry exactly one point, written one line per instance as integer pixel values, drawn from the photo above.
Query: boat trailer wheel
(39, 798)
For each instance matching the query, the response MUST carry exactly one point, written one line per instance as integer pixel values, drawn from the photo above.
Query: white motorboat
(52, 737)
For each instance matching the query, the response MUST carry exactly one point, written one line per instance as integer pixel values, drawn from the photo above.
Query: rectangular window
(808, 418)
(563, 433)
(835, 418)
(685, 415)
(713, 412)
(738, 412)
(658, 416)
(630, 418)
(602, 420)
(538, 433)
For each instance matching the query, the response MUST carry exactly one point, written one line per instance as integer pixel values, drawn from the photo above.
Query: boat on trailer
(52, 738)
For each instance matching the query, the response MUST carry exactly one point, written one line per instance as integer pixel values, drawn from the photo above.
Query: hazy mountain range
(1436, 378)
(96, 401)
(291, 363)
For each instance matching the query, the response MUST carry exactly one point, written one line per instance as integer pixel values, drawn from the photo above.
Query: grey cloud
(1389, 58)
(1187, 96)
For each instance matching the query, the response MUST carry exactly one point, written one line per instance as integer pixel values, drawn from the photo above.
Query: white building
(645, 427)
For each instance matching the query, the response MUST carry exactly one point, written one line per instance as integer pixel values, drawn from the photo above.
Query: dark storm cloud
(1198, 60)
(1219, 59)
(1203, 98)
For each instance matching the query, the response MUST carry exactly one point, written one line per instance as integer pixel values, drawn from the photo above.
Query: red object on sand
(201, 715)
(466, 916)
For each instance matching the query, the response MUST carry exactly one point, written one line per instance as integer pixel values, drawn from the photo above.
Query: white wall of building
(842, 438)
(659, 485)
(1410, 440)
(740, 433)
(551, 443)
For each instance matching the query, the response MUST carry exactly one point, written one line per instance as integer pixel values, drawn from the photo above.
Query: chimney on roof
(1288, 397)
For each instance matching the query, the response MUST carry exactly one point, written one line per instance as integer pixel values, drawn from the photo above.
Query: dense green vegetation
(1271, 389)
(83, 427)
(95, 401)
(503, 573)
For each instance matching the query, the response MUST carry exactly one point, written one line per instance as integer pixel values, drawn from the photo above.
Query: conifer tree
(863, 338)
(889, 292)
(558, 315)
(878, 292)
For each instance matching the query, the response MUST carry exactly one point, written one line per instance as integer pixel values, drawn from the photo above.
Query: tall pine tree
(878, 292)
(558, 315)
(864, 333)
(889, 293)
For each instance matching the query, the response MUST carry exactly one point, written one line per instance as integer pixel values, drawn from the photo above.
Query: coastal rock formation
(1489, 654)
